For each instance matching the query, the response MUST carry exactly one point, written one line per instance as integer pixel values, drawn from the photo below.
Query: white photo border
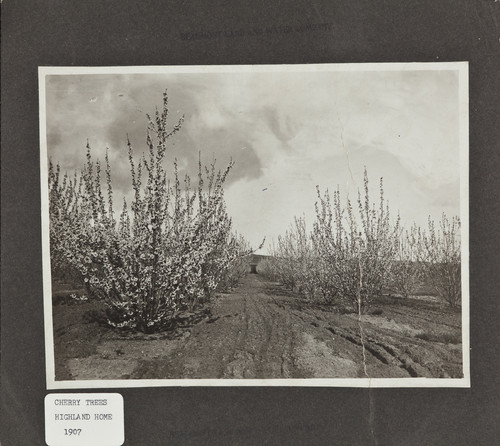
(465, 382)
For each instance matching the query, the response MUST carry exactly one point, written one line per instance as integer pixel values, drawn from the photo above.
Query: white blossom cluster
(353, 256)
(165, 253)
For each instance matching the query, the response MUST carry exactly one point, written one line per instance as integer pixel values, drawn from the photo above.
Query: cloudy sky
(287, 131)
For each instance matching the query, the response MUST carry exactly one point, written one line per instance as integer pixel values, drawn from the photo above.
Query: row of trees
(356, 252)
(165, 252)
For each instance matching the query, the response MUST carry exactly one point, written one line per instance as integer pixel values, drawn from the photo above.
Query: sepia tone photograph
(301, 225)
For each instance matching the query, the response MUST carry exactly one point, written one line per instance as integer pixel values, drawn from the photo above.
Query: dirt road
(262, 331)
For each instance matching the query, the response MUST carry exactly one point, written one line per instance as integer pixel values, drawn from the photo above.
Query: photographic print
(282, 225)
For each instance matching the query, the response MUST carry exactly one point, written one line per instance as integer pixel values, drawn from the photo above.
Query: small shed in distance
(255, 259)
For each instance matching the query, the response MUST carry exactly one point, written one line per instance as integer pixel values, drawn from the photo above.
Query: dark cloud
(286, 132)
(283, 130)
(106, 109)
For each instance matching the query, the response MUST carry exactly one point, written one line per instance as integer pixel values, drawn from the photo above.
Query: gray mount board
(126, 33)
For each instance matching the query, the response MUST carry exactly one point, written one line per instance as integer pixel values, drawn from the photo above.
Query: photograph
(255, 225)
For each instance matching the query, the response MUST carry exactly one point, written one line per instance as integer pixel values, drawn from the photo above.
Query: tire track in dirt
(265, 350)
(385, 352)
(261, 331)
(395, 349)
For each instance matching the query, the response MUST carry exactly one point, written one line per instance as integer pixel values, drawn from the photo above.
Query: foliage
(440, 253)
(167, 252)
(354, 254)
(294, 259)
(358, 249)
(408, 268)
(239, 266)
(269, 267)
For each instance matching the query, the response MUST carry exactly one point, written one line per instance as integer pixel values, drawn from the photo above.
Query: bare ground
(263, 331)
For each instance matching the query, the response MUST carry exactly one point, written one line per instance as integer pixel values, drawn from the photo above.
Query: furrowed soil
(261, 330)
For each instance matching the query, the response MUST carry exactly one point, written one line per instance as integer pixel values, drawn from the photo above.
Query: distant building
(255, 259)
